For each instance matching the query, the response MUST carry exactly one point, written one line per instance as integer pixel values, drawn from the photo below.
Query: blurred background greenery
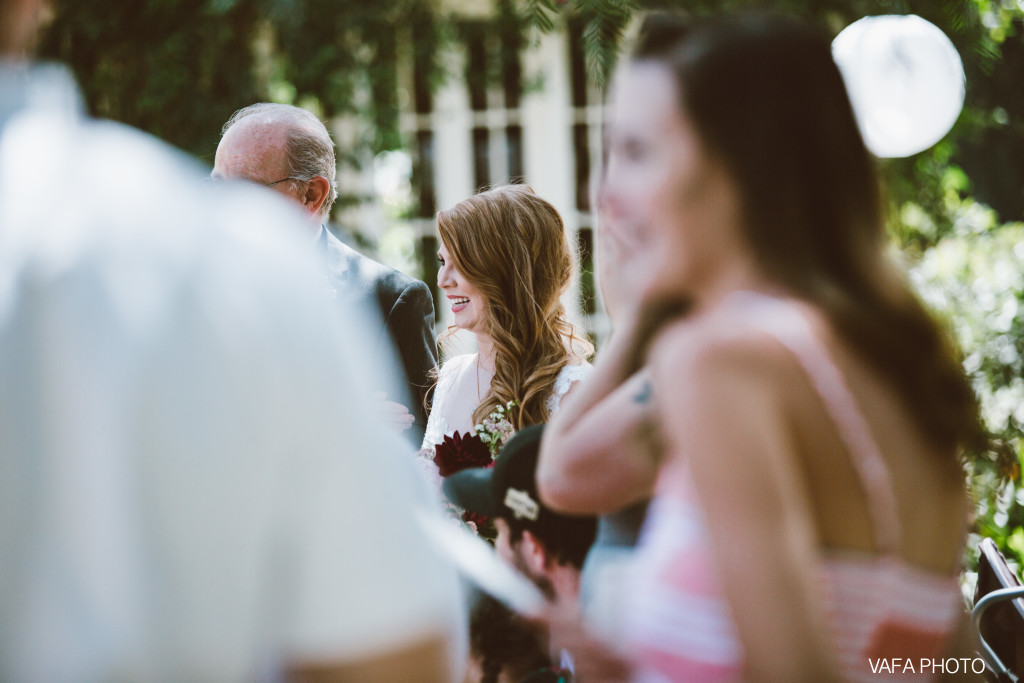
(179, 68)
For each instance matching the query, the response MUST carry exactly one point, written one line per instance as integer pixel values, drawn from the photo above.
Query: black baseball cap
(509, 491)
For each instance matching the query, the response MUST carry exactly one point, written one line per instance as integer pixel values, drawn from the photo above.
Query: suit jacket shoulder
(406, 310)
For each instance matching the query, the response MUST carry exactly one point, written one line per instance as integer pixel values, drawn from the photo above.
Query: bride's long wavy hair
(511, 245)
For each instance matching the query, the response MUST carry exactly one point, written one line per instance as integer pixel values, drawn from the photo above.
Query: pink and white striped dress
(681, 626)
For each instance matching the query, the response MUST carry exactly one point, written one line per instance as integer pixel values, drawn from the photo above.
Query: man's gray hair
(308, 143)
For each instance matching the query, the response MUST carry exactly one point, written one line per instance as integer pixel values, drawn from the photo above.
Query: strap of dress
(567, 376)
(786, 323)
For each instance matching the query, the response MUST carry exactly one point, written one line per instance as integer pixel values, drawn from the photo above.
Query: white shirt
(190, 484)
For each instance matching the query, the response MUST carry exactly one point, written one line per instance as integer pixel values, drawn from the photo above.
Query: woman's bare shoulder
(712, 347)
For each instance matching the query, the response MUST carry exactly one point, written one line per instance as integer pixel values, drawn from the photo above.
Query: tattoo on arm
(644, 396)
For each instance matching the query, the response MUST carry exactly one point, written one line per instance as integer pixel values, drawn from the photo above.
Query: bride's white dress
(450, 408)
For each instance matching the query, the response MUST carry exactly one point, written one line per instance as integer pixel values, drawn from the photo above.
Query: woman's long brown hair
(511, 245)
(768, 101)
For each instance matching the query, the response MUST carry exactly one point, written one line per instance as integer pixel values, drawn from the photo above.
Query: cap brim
(472, 490)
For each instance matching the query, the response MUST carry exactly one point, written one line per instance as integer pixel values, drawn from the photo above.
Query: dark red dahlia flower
(460, 452)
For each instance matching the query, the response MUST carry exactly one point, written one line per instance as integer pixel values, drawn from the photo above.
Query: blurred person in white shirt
(190, 485)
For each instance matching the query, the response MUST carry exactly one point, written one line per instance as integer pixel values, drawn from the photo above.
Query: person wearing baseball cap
(546, 546)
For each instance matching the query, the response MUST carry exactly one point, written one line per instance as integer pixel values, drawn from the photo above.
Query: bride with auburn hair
(505, 264)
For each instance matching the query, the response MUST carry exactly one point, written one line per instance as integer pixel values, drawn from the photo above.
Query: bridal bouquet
(496, 428)
(478, 448)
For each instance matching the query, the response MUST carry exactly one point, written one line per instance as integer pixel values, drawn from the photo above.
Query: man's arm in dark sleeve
(410, 323)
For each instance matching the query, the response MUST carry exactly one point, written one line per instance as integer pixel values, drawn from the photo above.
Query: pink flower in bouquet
(460, 452)
(497, 427)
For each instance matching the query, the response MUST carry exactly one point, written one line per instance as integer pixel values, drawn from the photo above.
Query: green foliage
(345, 54)
(174, 69)
(602, 33)
(538, 13)
(974, 277)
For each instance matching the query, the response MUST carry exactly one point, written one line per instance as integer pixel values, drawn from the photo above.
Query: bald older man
(289, 150)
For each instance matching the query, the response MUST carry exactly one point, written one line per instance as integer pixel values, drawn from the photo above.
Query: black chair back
(1002, 625)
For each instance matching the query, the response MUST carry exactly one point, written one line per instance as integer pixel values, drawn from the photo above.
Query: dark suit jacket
(407, 309)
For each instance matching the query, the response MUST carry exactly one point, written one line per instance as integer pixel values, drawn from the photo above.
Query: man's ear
(318, 190)
(534, 552)
(20, 24)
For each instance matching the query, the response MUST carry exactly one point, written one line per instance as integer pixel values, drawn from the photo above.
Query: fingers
(390, 407)
(395, 414)
(403, 425)
(596, 661)
(400, 420)
(615, 243)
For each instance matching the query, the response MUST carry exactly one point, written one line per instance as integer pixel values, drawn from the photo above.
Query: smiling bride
(505, 263)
